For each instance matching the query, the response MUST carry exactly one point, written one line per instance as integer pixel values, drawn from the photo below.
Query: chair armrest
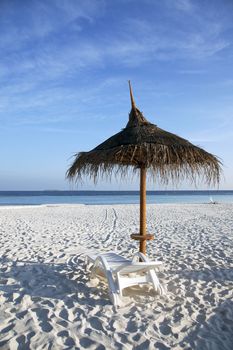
(144, 258)
(101, 259)
(141, 256)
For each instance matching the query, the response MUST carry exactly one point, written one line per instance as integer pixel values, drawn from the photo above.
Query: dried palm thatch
(142, 144)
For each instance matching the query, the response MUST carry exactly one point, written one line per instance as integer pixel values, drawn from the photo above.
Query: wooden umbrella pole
(142, 208)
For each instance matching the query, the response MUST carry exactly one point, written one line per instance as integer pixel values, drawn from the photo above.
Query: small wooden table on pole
(142, 236)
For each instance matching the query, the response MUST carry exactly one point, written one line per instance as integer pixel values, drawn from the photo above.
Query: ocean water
(111, 197)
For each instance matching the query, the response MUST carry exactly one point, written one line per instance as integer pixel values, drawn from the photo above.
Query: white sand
(47, 301)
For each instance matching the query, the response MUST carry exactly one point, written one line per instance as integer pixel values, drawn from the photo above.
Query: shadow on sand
(214, 333)
(207, 332)
(63, 281)
(208, 274)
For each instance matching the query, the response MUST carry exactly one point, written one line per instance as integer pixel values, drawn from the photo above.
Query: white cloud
(30, 72)
(41, 18)
(138, 41)
(183, 5)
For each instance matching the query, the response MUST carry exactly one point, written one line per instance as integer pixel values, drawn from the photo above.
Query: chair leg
(155, 282)
(114, 297)
(120, 287)
(112, 288)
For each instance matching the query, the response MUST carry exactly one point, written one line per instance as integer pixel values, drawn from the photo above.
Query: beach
(48, 301)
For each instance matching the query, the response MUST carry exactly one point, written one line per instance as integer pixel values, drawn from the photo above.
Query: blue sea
(111, 197)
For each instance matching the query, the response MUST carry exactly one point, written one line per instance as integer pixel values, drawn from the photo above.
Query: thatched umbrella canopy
(143, 145)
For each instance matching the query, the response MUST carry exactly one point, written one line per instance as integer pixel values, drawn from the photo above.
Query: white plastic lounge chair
(122, 273)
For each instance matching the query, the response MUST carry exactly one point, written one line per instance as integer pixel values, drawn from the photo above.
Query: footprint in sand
(86, 342)
(132, 327)
(48, 303)
(69, 341)
(8, 328)
(96, 324)
(24, 341)
(64, 314)
(20, 315)
(42, 316)
(62, 323)
(23, 344)
(165, 329)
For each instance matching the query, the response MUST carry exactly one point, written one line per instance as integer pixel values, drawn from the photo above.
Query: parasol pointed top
(131, 97)
(136, 118)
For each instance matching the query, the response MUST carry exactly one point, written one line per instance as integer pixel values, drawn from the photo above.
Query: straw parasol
(143, 146)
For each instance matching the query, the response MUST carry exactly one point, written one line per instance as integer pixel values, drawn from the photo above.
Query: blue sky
(64, 67)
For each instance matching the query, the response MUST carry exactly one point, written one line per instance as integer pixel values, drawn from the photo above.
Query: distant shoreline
(112, 197)
(114, 192)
